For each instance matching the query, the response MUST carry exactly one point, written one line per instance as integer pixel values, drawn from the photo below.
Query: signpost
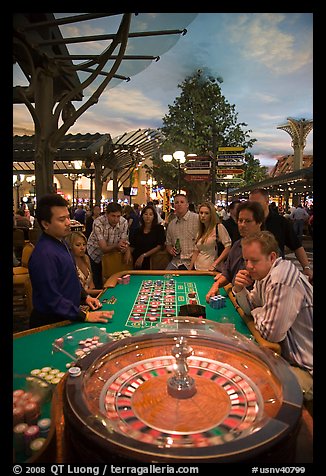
(197, 178)
(197, 171)
(229, 171)
(229, 163)
(229, 180)
(225, 161)
(197, 164)
(231, 149)
(231, 156)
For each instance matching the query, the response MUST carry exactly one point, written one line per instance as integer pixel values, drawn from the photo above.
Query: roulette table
(177, 389)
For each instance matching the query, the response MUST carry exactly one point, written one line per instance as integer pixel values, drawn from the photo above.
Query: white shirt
(281, 305)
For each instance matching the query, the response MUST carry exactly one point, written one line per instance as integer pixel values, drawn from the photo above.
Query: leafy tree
(199, 121)
(254, 172)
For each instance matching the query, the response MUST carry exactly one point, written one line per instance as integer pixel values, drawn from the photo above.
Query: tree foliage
(198, 115)
(254, 172)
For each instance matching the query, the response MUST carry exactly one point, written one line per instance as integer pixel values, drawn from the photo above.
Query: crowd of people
(246, 248)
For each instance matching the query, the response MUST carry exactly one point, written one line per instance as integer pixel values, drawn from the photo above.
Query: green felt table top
(34, 350)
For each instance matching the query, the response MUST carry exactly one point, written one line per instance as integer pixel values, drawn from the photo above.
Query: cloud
(266, 98)
(261, 38)
(124, 103)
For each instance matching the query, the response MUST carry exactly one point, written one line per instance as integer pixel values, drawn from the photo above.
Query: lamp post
(73, 178)
(17, 183)
(31, 180)
(180, 157)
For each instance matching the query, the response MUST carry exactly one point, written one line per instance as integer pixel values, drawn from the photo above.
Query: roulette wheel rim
(105, 424)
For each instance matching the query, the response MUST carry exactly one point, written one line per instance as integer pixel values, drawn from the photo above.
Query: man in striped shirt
(280, 303)
(110, 232)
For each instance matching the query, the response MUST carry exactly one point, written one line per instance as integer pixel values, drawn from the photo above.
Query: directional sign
(230, 163)
(230, 156)
(230, 149)
(197, 178)
(198, 158)
(233, 180)
(229, 171)
(197, 171)
(197, 164)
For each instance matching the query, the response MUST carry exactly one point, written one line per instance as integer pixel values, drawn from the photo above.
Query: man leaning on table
(280, 303)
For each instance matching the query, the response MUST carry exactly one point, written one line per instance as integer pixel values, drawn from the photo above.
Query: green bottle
(177, 246)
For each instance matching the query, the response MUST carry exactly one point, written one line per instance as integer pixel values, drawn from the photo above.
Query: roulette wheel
(187, 390)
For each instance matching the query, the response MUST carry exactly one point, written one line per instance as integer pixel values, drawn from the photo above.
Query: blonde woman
(205, 256)
(77, 242)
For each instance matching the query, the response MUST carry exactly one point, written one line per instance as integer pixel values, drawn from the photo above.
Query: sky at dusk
(264, 59)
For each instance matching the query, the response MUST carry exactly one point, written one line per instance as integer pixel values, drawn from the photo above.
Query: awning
(299, 181)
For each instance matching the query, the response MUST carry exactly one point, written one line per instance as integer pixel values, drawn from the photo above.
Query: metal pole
(91, 192)
(213, 168)
(17, 196)
(179, 171)
(73, 194)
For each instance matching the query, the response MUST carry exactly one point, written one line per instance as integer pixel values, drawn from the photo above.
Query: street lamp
(180, 157)
(73, 178)
(31, 180)
(17, 182)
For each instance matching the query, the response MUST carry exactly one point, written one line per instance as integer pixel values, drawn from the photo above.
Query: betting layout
(159, 300)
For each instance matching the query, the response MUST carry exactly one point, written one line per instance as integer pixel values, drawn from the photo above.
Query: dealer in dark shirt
(57, 292)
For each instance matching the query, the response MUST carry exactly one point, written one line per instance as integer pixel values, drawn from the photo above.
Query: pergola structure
(114, 159)
(56, 78)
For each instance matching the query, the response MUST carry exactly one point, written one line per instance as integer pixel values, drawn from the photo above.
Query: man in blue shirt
(57, 292)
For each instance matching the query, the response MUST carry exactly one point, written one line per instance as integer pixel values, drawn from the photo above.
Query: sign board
(233, 180)
(231, 156)
(229, 171)
(230, 149)
(230, 163)
(197, 178)
(197, 164)
(198, 158)
(197, 171)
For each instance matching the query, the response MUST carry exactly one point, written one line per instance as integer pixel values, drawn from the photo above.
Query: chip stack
(217, 302)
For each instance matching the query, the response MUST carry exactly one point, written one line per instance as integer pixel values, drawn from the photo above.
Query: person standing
(299, 217)
(205, 255)
(147, 239)
(183, 227)
(250, 217)
(135, 220)
(231, 223)
(80, 214)
(96, 212)
(283, 231)
(280, 304)
(110, 232)
(56, 290)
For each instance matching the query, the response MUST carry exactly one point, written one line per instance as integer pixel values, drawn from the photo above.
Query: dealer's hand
(99, 316)
(93, 302)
